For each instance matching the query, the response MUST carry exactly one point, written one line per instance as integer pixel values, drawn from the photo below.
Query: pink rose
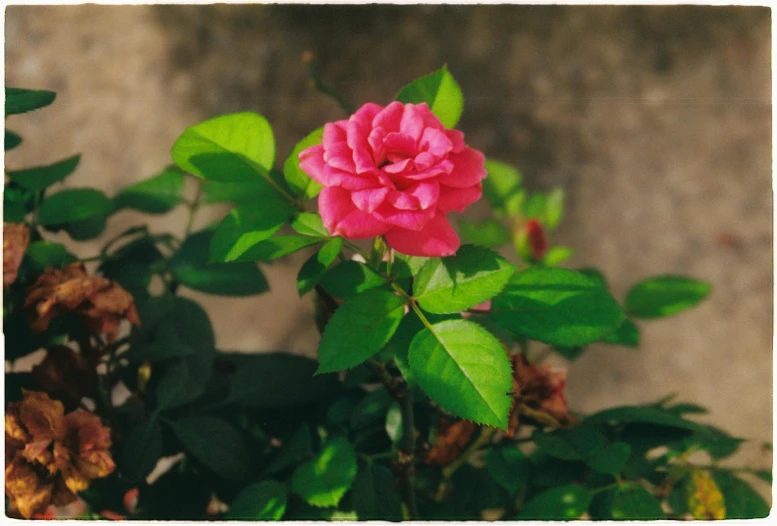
(395, 171)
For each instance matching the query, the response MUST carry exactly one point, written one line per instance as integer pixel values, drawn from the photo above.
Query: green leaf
(717, 443)
(157, 350)
(19, 100)
(594, 274)
(265, 501)
(664, 296)
(45, 254)
(407, 266)
(173, 388)
(247, 225)
(556, 255)
(578, 443)
(556, 306)
(570, 353)
(41, 177)
(309, 275)
(502, 188)
(440, 91)
(323, 481)
(627, 334)
(642, 414)
(350, 278)
(554, 208)
(534, 207)
(489, 233)
(611, 459)
(234, 147)
(273, 380)
(12, 140)
(296, 447)
(299, 181)
(214, 443)
(142, 450)
(156, 195)
(173, 318)
(277, 247)
(509, 467)
(233, 192)
(70, 206)
(190, 267)
(561, 503)
(465, 369)
(453, 284)
(309, 224)
(631, 502)
(359, 329)
(88, 228)
(373, 494)
(371, 409)
(329, 252)
(742, 501)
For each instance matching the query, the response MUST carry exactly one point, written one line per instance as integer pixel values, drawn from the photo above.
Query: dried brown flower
(102, 302)
(539, 389)
(51, 456)
(450, 442)
(16, 237)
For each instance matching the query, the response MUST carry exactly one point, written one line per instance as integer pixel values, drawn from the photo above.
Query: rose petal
(357, 131)
(400, 143)
(311, 161)
(390, 117)
(375, 140)
(422, 195)
(469, 169)
(457, 140)
(368, 200)
(334, 133)
(436, 142)
(436, 239)
(412, 123)
(342, 218)
(340, 156)
(409, 219)
(458, 198)
(397, 167)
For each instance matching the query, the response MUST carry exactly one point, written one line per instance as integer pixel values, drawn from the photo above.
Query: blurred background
(656, 120)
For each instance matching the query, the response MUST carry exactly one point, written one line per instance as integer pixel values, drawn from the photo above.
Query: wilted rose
(450, 441)
(51, 456)
(16, 237)
(396, 172)
(104, 303)
(540, 389)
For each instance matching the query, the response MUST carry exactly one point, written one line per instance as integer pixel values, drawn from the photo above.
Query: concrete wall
(656, 120)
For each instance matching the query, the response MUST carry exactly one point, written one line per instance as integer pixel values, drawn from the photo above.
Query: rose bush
(395, 171)
(430, 397)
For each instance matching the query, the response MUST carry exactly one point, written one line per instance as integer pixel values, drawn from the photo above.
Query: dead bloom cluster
(50, 456)
(102, 302)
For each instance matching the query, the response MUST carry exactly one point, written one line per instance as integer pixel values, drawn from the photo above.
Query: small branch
(483, 439)
(408, 446)
(195, 205)
(309, 60)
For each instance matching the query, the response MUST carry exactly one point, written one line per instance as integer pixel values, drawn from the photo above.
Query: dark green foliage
(372, 427)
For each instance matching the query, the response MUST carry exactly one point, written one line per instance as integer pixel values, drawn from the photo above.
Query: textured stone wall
(656, 120)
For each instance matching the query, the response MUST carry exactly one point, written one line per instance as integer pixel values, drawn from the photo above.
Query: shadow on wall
(508, 59)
